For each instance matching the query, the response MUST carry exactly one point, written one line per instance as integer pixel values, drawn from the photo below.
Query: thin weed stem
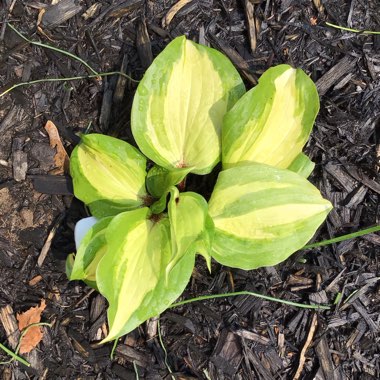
(14, 355)
(164, 349)
(66, 80)
(351, 30)
(36, 43)
(246, 293)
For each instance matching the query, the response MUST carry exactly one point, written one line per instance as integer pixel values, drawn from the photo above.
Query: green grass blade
(14, 356)
(343, 237)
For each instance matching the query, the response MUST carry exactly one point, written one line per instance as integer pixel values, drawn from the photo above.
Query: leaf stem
(350, 29)
(246, 293)
(343, 237)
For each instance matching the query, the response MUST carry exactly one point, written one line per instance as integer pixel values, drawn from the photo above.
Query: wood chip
(59, 13)
(360, 176)
(142, 359)
(252, 32)
(90, 12)
(250, 335)
(52, 184)
(342, 177)
(9, 120)
(343, 67)
(235, 57)
(323, 352)
(144, 47)
(172, 12)
(20, 159)
(105, 110)
(9, 323)
(125, 7)
(227, 354)
(121, 83)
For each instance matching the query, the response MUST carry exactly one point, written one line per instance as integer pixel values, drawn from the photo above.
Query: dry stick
(46, 247)
(309, 338)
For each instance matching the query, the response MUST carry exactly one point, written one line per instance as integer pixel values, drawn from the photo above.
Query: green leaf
(70, 259)
(302, 165)
(150, 259)
(272, 122)
(262, 215)
(131, 266)
(108, 175)
(91, 250)
(159, 180)
(179, 105)
(189, 226)
(168, 289)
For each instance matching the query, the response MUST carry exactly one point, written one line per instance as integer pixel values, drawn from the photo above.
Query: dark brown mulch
(234, 338)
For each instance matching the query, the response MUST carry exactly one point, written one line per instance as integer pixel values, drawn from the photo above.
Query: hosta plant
(189, 113)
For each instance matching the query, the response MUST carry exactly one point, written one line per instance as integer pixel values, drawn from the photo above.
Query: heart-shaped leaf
(262, 215)
(272, 122)
(179, 106)
(108, 175)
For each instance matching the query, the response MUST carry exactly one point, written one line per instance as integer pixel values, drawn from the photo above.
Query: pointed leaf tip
(262, 215)
(179, 105)
(108, 175)
(272, 122)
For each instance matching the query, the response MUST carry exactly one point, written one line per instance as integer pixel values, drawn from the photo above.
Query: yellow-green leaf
(302, 165)
(189, 226)
(131, 267)
(179, 105)
(159, 180)
(108, 175)
(133, 273)
(90, 251)
(262, 215)
(272, 122)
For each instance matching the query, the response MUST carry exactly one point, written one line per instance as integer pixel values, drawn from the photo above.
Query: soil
(227, 338)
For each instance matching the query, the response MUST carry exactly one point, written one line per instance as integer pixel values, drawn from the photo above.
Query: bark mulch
(232, 338)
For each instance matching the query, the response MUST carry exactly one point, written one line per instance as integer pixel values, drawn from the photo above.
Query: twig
(46, 247)
(309, 338)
